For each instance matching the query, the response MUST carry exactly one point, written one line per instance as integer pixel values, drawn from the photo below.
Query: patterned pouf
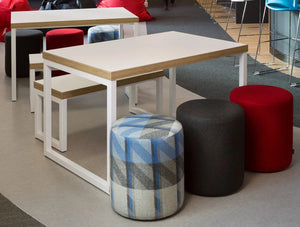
(147, 174)
(102, 33)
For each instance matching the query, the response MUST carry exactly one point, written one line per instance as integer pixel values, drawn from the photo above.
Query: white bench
(67, 86)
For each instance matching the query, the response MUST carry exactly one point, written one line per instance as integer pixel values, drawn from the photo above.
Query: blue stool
(147, 175)
(102, 33)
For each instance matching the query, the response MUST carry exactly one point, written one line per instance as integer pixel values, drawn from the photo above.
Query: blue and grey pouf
(147, 172)
(102, 33)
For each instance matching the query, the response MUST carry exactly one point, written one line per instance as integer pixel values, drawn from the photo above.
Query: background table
(108, 62)
(63, 18)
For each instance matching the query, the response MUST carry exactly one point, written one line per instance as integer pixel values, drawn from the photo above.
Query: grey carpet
(215, 78)
(11, 215)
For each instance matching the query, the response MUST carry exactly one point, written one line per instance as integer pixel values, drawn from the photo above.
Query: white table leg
(243, 69)
(136, 29)
(13, 66)
(172, 91)
(121, 32)
(47, 109)
(159, 95)
(111, 118)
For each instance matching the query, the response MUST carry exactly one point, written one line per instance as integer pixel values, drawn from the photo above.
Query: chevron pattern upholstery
(147, 172)
(102, 33)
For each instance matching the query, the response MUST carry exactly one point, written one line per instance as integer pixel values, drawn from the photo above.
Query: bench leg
(31, 91)
(38, 132)
(63, 125)
(61, 142)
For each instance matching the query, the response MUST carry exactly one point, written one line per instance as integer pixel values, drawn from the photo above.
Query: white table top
(123, 58)
(71, 17)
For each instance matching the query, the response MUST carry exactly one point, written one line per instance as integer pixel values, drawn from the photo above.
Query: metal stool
(294, 84)
(276, 5)
(243, 15)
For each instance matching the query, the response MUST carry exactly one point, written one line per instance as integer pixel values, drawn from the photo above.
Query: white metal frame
(90, 177)
(61, 143)
(87, 175)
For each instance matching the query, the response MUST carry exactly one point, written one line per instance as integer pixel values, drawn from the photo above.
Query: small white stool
(68, 86)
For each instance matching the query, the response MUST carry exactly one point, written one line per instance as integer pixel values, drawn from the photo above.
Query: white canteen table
(64, 18)
(108, 62)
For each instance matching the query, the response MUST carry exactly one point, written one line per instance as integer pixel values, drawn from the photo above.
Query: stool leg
(63, 125)
(294, 52)
(259, 39)
(159, 95)
(38, 131)
(229, 13)
(241, 27)
(210, 10)
(242, 21)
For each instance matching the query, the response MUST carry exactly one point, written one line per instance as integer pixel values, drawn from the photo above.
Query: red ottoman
(63, 37)
(268, 124)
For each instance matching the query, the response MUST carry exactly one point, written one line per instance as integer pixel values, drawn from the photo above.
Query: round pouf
(102, 33)
(214, 146)
(269, 126)
(64, 37)
(147, 176)
(27, 42)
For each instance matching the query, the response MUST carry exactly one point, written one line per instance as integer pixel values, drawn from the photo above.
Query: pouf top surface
(104, 28)
(260, 95)
(210, 109)
(146, 126)
(65, 31)
(25, 33)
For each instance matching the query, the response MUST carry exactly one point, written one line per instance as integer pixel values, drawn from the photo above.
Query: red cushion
(64, 37)
(137, 7)
(269, 126)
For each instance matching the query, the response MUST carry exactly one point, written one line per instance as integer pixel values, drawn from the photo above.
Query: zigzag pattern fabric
(102, 33)
(147, 166)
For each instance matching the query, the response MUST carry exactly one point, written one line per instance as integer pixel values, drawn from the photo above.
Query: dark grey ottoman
(28, 42)
(213, 145)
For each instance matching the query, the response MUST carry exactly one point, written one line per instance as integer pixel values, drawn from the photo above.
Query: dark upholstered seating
(213, 145)
(28, 42)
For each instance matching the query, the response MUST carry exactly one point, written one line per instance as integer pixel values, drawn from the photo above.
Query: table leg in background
(172, 91)
(243, 69)
(47, 110)
(13, 65)
(159, 95)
